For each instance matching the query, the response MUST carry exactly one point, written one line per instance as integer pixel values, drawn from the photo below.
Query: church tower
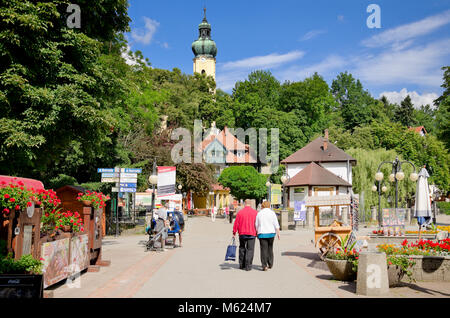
(205, 50)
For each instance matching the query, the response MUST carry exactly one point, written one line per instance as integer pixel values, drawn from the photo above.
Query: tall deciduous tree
(244, 182)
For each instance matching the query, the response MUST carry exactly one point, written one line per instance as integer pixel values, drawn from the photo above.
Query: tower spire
(204, 13)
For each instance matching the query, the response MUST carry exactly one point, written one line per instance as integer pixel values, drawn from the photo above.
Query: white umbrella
(422, 207)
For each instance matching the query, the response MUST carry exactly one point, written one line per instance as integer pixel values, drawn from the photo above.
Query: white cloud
(419, 65)
(329, 64)
(145, 36)
(128, 59)
(263, 62)
(312, 34)
(417, 99)
(408, 31)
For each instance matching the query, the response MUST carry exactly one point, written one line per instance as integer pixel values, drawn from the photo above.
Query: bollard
(284, 220)
(310, 217)
(372, 279)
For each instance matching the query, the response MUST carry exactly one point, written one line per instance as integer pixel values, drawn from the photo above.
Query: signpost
(126, 182)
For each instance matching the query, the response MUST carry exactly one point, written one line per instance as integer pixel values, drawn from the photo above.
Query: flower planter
(395, 275)
(86, 202)
(341, 269)
(66, 228)
(16, 286)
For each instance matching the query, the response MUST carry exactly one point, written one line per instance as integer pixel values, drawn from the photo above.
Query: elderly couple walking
(251, 224)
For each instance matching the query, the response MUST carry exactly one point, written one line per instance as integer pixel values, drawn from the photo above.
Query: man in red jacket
(245, 226)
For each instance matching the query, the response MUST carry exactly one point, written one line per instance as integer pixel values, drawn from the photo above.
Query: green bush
(444, 207)
(25, 265)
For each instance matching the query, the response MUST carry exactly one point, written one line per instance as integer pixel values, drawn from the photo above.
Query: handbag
(231, 251)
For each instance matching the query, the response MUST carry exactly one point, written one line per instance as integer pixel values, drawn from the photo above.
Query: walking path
(198, 269)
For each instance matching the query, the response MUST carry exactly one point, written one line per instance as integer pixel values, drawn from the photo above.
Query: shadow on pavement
(109, 242)
(224, 266)
(422, 289)
(316, 262)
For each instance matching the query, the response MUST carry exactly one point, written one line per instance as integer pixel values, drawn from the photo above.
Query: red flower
(6, 196)
(12, 200)
(6, 210)
(17, 207)
(29, 204)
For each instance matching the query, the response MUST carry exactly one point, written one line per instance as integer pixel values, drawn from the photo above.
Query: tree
(443, 110)
(424, 116)
(244, 182)
(54, 96)
(354, 103)
(405, 113)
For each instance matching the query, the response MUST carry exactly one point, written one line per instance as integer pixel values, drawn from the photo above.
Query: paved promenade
(198, 269)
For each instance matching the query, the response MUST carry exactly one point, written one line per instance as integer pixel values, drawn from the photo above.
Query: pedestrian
(245, 226)
(162, 214)
(267, 227)
(231, 211)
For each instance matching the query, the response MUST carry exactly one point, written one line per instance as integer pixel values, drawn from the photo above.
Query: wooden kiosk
(21, 229)
(331, 236)
(93, 220)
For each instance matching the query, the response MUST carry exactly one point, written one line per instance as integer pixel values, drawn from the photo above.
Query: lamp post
(396, 175)
(268, 185)
(284, 180)
(380, 189)
(153, 180)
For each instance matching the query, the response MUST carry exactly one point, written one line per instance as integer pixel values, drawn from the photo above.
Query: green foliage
(25, 265)
(60, 181)
(244, 182)
(364, 177)
(443, 111)
(405, 113)
(444, 207)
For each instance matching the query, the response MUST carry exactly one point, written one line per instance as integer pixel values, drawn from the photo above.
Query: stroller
(155, 232)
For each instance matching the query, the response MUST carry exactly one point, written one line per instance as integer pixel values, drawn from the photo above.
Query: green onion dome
(204, 45)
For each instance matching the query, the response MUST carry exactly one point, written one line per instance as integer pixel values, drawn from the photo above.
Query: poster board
(56, 260)
(166, 181)
(299, 211)
(275, 194)
(79, 252)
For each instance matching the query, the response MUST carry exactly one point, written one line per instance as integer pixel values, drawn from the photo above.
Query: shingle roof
(314, 152)
(314, 174)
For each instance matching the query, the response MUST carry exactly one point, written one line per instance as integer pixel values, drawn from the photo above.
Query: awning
(329, 200)
(27, 183)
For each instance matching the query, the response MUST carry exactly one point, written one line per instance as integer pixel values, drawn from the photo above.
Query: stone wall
(431, 268)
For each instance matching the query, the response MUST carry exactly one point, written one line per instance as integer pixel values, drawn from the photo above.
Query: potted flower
(398, 261)
(70, 222)
(13, 197)
(343, 262)
(94, 199)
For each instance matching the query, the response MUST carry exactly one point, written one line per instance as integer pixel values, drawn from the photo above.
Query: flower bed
(423, 260)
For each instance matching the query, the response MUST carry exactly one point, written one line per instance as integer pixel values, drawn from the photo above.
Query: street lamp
(268, 185)
(396, 175)
(153, 180)
(379, 189)
(180, 187)
(285, 180)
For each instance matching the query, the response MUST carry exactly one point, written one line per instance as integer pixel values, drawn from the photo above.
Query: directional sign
(110, 180)
(110, 175)
(105, 170)
(128, 185)
(128, 175)
(127, 180)
(131, 170)
(114, 189)
(127, 189)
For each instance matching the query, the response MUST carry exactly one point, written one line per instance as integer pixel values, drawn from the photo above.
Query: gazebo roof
(314, 174)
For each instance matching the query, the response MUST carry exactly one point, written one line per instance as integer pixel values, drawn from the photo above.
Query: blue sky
(293, 39)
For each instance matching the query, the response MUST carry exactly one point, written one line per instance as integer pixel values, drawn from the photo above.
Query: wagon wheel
(327, 242)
